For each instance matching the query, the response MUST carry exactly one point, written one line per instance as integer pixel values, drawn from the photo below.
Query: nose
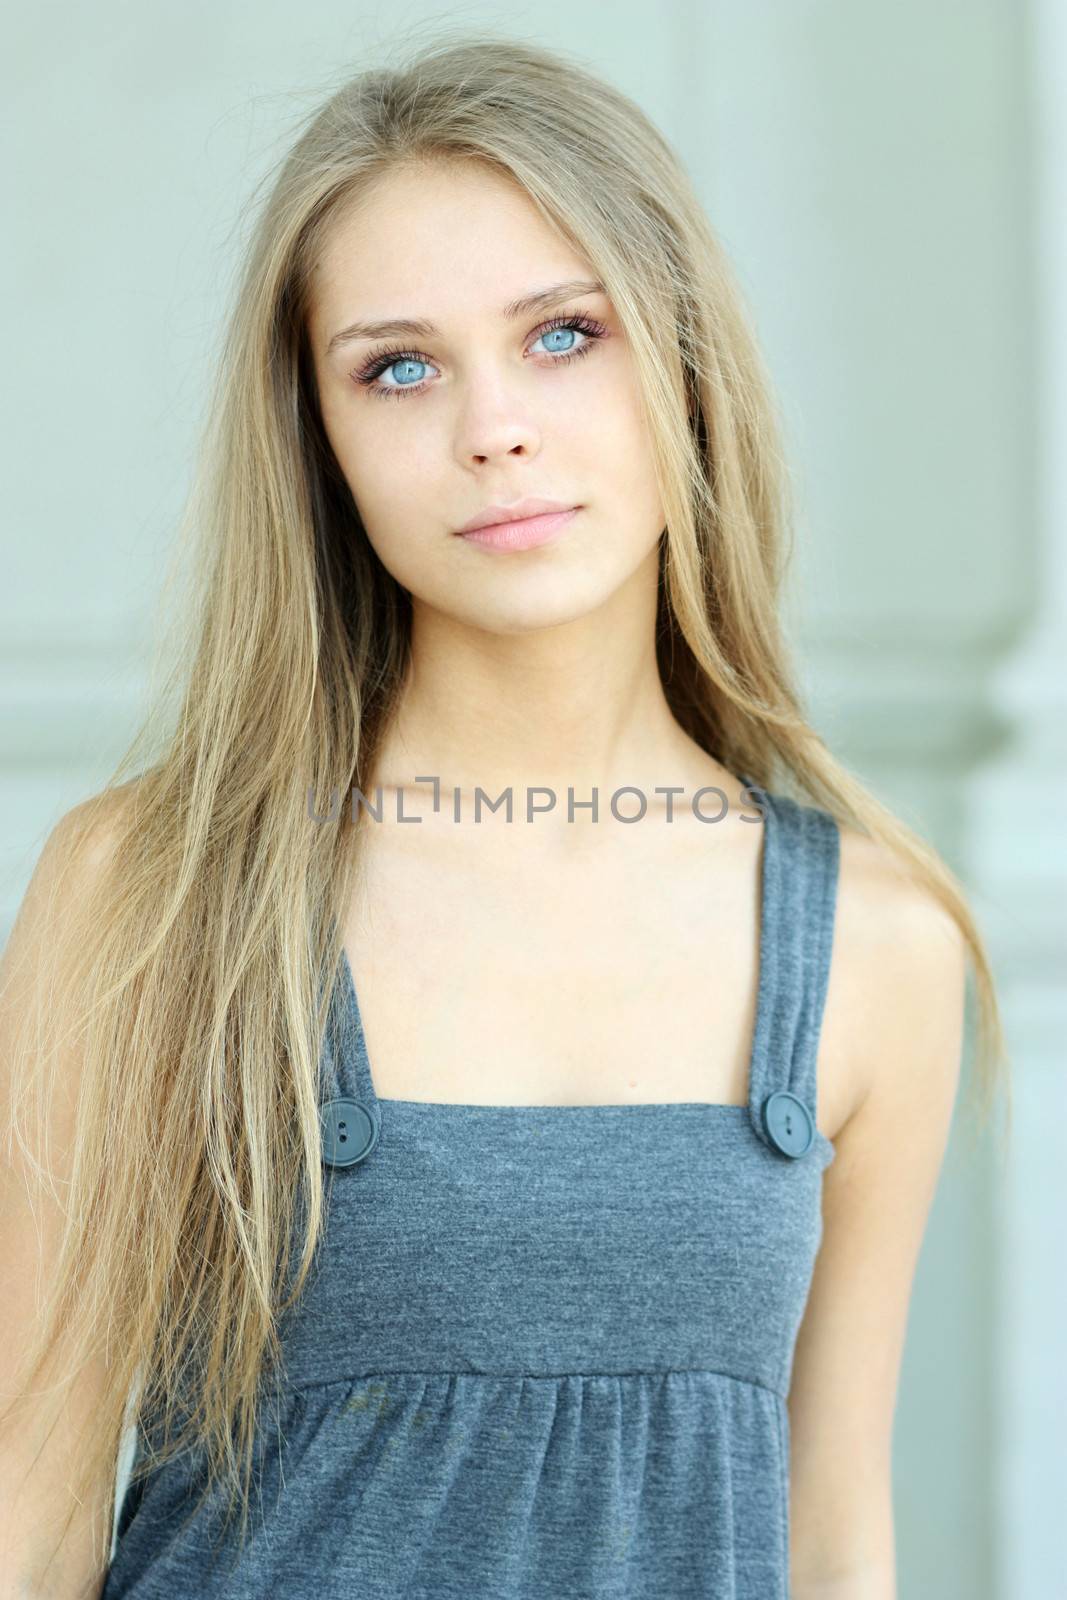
(495, 423)
(520, 449)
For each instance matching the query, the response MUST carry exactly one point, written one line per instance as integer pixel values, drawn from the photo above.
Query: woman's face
(431, 427)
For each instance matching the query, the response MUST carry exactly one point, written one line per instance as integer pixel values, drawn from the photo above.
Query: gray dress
(546, 1351)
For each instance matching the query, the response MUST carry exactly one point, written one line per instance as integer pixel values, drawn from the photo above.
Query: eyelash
(378, 362)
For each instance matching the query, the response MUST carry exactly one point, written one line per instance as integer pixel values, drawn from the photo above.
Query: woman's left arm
(901, 985)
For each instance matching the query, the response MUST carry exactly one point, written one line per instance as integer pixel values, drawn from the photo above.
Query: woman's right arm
(35, 1456)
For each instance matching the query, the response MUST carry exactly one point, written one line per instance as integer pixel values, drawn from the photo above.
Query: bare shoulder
(78, 848)
(85, 836)
(897, 973)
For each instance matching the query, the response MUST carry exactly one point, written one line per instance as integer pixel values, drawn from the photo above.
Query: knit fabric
(546, 1350)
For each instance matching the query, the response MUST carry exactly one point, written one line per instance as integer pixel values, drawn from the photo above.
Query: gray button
(349, 1132)
(789, 1124)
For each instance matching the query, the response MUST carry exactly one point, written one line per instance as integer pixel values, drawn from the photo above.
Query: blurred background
(890, 182)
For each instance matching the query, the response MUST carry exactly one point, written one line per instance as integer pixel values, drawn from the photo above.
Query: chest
(501, 975)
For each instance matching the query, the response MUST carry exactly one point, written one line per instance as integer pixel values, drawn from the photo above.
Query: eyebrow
(418, 327)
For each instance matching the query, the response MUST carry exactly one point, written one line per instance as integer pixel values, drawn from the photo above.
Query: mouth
(524, 533)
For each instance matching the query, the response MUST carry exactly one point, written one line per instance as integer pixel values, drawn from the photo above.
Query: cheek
(380, 441)
(627, 471)
(398, 507)
(367, 456)
(609, 406)
(398, 546)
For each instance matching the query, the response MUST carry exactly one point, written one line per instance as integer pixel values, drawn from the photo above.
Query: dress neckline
(766, 984)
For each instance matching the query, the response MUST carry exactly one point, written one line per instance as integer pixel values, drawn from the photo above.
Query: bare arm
(901, 985)
(35, 1456)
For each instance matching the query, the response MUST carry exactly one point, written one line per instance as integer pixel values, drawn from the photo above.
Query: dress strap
(799, 875)
(349, 1110)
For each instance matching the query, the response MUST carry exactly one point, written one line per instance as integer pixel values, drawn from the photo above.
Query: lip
(517, 511)
(521, 533)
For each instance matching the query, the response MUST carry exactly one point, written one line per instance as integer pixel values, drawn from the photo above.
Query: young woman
(463, 1200)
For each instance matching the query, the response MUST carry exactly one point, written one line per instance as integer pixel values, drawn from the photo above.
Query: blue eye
(405, 379)
(555, 333)
(405, 360)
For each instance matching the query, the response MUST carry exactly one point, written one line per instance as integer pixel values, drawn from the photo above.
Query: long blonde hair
(198, 964)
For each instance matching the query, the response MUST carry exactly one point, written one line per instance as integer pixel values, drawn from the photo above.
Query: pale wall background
(890, 183)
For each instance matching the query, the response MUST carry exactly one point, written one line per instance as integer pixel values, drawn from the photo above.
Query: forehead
(439, 240)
